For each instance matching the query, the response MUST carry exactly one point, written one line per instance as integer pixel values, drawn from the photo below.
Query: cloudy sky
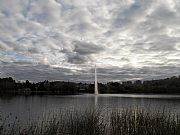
(64, 39)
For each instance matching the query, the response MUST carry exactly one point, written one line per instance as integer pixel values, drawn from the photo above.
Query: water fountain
(96, 83)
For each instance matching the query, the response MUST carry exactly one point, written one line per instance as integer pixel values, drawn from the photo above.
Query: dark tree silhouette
(166, 86)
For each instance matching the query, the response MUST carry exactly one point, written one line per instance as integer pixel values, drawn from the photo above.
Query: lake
(33, 107)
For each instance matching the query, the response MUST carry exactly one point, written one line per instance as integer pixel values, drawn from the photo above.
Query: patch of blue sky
(16, 56)
(6, 13)
(24, 38)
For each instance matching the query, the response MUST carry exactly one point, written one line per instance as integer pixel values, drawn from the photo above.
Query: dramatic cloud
(64, 39)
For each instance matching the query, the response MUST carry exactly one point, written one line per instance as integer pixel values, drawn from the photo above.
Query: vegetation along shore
(163, 86)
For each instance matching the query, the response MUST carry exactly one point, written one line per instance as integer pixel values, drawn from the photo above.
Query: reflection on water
(32, 107)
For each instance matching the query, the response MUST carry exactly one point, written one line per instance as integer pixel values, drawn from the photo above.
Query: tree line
(162, 86)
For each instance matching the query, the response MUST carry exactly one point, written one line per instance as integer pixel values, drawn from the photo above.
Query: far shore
(167, 86)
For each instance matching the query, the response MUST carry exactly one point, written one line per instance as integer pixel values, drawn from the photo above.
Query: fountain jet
(96, 83)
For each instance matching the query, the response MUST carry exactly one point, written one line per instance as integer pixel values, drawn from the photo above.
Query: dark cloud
(76, 58)
(81, 52)
(84, 48)
(33, 50)
(21, 71)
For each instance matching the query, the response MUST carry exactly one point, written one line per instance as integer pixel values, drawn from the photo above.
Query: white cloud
(125, 35)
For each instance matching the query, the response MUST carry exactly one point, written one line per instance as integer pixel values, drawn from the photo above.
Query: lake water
(32, 107)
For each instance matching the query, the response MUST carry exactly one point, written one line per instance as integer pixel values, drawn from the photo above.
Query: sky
(63, 39)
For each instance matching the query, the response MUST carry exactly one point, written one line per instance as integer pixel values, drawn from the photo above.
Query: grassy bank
(96, 122)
